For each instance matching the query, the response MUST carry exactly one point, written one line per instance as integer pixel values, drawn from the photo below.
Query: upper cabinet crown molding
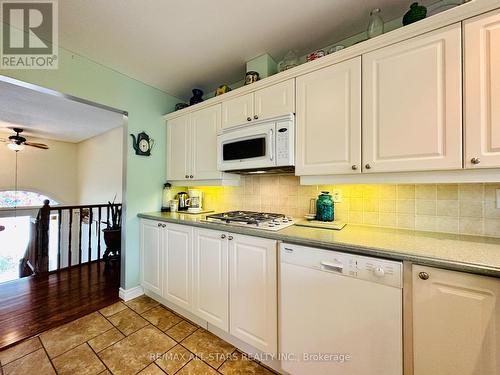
(482, 91)
(451, 16)
(412, 104)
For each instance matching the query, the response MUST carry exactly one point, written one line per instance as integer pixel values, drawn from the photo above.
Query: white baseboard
(128, 294)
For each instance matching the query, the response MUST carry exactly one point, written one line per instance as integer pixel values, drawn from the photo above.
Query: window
(12, 198)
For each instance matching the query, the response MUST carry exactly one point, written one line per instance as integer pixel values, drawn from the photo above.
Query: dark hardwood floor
(31, 305)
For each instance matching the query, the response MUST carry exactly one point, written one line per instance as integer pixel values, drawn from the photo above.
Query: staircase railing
(67, 236)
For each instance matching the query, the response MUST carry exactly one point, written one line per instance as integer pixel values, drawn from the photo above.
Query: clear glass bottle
(376, 25)
(290, 60)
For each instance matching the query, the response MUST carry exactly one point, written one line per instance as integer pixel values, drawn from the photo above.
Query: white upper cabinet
(177, 263)
(456, 323)
(151, 255)
(272, 101)
(210, 276)
(178, 148)
(328, 120)
(192, 145)
(238, 110)
(204, 126)
(253, 291)
(482, 91)
(412, 104)
(275, 100)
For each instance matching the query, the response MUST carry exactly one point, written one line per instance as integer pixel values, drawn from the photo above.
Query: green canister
(324, 207)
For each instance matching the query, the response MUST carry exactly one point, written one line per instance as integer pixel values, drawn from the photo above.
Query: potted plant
(113, 231)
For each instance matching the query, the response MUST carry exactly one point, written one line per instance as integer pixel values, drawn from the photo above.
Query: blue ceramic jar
(324, 207)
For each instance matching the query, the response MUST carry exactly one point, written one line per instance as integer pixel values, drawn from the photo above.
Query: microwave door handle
(271, 143)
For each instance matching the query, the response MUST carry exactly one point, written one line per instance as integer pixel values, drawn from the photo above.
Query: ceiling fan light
(15, 147)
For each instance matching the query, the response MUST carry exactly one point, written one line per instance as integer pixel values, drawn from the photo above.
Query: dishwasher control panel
(376, 270)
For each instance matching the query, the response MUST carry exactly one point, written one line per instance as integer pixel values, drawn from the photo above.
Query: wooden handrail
(83, 206)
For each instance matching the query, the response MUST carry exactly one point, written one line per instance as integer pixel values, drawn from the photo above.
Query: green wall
(83, 78)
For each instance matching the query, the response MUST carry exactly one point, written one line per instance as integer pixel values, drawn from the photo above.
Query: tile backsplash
(451, 208)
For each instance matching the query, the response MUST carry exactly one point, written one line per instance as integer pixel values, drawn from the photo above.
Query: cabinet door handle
(191, 176)
(368, 166)
(249, 119)
(354, 167)
(475, 161)
(256, 117)
(423, 275)
(222, 236)
(186, 176)
(271, 144)
(230, 238)
(159, 225)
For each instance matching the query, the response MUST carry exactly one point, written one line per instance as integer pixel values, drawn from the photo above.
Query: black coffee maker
(182, 197)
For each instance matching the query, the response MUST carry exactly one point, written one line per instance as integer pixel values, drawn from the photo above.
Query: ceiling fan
(17, 142)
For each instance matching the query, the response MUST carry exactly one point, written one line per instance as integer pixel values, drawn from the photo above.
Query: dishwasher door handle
(332, 266)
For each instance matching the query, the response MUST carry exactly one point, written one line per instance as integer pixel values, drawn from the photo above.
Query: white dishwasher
(339, 313)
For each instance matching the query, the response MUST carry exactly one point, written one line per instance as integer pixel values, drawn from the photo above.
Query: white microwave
(261, 146)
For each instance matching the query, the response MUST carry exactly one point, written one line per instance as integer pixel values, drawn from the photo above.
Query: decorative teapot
(324, 207)
(142, 144)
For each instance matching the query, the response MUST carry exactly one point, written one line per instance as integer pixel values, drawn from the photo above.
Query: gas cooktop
(261, 220)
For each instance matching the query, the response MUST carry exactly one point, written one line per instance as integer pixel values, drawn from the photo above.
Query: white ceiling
(51, 117)
(181, 44)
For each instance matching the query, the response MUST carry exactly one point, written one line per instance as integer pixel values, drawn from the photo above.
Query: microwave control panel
(284, 143)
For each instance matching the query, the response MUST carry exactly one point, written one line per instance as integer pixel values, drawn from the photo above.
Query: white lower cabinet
(226, 279)
(253, 291)
(456, 323)
(210, 278)
(151, 255)
(177, 264)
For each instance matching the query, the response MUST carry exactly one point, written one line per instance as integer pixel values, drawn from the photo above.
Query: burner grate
(247, 217)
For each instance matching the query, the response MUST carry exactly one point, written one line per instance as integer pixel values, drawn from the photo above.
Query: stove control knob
(379, 271)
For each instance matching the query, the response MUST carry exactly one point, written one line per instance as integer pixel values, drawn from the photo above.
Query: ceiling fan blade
(37, 145)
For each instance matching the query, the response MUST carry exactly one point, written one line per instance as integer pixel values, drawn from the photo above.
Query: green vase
(324, 207)
(416, 13)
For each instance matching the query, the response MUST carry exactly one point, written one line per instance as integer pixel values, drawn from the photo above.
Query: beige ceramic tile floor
(136, 337)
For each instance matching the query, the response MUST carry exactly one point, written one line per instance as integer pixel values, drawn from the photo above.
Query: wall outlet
(337, 196)
(498, 198)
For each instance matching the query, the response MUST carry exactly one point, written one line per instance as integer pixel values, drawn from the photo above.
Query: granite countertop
(473, 254)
